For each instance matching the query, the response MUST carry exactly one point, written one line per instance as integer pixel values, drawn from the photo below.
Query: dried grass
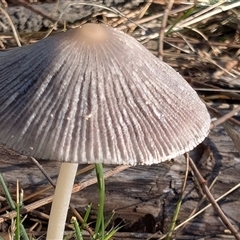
(200, 39)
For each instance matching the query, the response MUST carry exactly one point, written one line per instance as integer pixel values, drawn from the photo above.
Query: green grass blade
(6, 192)
(88, 211)
(111, 233)
(11, 203)
(77, 228)
(18, 218)
(100, 229)
(109, 219)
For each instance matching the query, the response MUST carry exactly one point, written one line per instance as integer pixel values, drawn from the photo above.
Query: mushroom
(95, 95)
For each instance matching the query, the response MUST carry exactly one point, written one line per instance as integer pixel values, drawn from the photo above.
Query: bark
(145, 196)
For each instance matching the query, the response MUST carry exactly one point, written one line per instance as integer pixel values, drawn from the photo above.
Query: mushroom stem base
(61, 200)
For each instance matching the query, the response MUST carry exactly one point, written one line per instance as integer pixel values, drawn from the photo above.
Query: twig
(16, 36)
(219, 90)
(43, 171)
(199, 212)
(47, 200)
(211, 199)
(140, 16)
(145, 8)
(200, 202)
(225, 117)
(219, 115)
(163, 27)
(153, 17)
(4, 3)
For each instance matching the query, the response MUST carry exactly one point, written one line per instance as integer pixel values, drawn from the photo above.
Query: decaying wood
(146, 196)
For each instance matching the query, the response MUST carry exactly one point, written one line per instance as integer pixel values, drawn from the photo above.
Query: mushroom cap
(96, 95)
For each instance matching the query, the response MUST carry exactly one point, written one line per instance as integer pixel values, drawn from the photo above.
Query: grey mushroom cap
(96, 95)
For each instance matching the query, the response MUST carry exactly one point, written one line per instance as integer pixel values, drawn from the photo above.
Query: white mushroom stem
(61, 200)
